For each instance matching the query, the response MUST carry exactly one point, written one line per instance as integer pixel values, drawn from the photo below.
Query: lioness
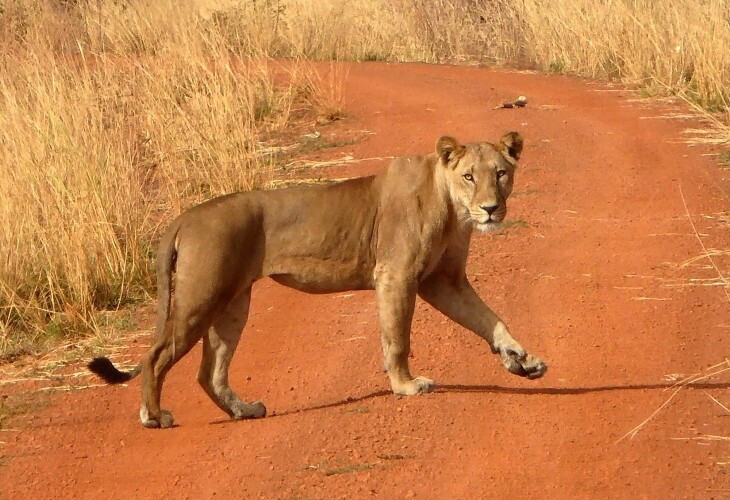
(403, 232)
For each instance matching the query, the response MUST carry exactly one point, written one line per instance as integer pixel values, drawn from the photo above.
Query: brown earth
(589, 276)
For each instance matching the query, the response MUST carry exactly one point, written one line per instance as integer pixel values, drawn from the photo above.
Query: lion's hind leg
(175, 342)
(218, 347)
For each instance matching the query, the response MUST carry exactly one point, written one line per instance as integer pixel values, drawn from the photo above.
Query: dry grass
(663, 47)
(118, 114)
(115, 122)
(682, 383)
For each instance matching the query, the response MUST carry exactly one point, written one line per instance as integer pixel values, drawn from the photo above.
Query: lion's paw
(418, 385)
(245, 411)
(163, 421)
(517, 361)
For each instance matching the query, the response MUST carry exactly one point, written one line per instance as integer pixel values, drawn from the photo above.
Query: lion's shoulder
(410, 175)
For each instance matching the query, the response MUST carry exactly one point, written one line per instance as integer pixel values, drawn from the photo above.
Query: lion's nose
(490, 209)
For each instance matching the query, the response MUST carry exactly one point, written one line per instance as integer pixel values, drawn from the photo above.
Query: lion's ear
(510, 145)
(448, 149)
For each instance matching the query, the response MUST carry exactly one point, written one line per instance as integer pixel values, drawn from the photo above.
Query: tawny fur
(404, 232)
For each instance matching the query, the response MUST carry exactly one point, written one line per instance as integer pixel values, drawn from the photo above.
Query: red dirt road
(589, 277)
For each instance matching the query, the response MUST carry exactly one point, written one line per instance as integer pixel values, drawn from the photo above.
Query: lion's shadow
(496, 389)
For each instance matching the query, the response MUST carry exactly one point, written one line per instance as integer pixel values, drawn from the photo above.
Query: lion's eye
(469, 177)
(501, 173)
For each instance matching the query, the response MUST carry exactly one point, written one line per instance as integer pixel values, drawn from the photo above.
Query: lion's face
(480, 178)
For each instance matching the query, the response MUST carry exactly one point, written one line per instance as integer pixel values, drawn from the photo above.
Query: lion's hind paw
(418, 385)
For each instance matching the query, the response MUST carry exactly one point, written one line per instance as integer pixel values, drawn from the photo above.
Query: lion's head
(480, 177)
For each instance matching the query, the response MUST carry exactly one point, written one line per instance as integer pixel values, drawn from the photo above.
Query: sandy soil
(608, 205)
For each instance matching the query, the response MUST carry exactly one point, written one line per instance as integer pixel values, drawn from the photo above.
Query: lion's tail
(110, 373)
(166, 259)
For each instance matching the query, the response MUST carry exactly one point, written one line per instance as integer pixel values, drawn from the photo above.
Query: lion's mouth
(488, 225)
(485, 222)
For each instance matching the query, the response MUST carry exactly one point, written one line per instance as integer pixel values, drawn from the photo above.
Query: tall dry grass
(680, 46)
(116, 114)
(662, 48)
(114, 120)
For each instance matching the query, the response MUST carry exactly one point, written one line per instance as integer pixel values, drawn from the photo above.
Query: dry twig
(687, 381)
(704, 249)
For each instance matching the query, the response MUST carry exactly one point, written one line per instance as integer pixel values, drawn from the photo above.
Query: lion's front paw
(418, 385)
(517, 361)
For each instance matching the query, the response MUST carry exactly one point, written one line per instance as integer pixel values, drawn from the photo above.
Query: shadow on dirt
(552, 391)
(347, 401)
(570, 391)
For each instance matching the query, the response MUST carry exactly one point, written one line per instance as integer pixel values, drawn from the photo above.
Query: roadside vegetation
(118, 114)
(662, 47)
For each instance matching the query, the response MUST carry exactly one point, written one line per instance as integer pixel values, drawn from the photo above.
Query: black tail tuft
(106, 370)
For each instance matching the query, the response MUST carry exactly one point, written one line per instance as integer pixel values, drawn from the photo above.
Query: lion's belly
(321, 276)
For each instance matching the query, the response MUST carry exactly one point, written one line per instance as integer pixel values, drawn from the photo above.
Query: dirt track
(589, 278)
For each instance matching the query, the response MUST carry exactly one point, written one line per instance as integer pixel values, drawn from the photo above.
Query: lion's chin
(488, 227)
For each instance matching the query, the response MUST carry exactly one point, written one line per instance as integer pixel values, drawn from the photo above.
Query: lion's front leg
(457, 299)
(396, 301)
